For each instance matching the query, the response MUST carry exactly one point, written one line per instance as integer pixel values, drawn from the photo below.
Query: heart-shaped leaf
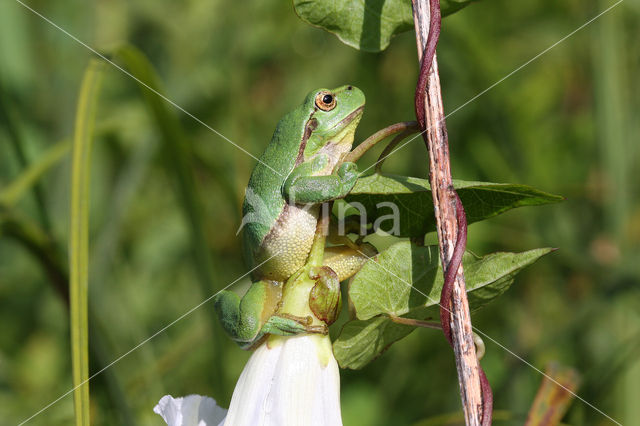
(360, 342)
(406, 280)
(379, 195)
(366, 25)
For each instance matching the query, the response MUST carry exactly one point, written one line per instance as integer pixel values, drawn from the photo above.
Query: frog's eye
(325, 101)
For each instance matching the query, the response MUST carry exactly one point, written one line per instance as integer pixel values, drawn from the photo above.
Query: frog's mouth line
(349, 118)
(345, 129)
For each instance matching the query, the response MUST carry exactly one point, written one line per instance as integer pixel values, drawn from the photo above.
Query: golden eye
(325, 101)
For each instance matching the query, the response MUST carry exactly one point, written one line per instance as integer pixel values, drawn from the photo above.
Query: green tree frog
(296, 173)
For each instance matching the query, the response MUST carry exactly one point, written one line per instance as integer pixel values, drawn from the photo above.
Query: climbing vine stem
(475, 392)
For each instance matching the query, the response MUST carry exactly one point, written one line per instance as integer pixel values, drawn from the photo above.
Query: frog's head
(333, 121)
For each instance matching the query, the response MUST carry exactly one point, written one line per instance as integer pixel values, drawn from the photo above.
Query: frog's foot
(340, 228)
(324, 299)
(284, 324)
(342, 240)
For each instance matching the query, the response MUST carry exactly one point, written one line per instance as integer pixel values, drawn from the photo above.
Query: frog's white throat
(341, 143)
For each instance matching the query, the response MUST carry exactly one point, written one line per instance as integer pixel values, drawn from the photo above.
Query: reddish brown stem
(388, 150)
(446, 298)
(427, 60)
(475, 392)
(452, 268)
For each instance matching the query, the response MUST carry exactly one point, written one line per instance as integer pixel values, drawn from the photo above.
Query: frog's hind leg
(249, 318)
(243, 318)
(346, 260)
(339, 263)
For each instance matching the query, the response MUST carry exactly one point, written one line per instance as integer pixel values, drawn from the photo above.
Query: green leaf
(79, 239)
(360, 342)
(412, 196)
(406, 280)
(366, 25)
(398, 268)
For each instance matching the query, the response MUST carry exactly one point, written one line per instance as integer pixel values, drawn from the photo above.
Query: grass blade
(39, 244)
(7, 120)
(177, 153)
(79, 239)
(12, 193)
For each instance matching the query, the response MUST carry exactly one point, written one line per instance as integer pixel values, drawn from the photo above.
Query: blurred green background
(567, 123)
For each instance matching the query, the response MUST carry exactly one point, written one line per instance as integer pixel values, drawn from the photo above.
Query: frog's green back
(272, 230)
(264, 201)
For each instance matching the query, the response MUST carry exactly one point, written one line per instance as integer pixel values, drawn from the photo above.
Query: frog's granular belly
(288, 242)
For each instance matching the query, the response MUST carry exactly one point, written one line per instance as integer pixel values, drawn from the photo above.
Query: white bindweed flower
(288, 381)
(192, 410)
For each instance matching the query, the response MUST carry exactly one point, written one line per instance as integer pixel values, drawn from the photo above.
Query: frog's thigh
(346, 261)
(244, 317)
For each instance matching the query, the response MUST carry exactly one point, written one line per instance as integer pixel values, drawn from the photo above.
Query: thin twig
(475, 391)
(480, 348)
(380, 135)
(388, 150)
(415, 322)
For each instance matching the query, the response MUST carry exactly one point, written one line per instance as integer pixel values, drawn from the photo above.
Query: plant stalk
(79, 240)
(475, 392)
(404, 127)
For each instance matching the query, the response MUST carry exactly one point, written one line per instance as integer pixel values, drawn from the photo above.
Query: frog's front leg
(249, 318)
(303, 187)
